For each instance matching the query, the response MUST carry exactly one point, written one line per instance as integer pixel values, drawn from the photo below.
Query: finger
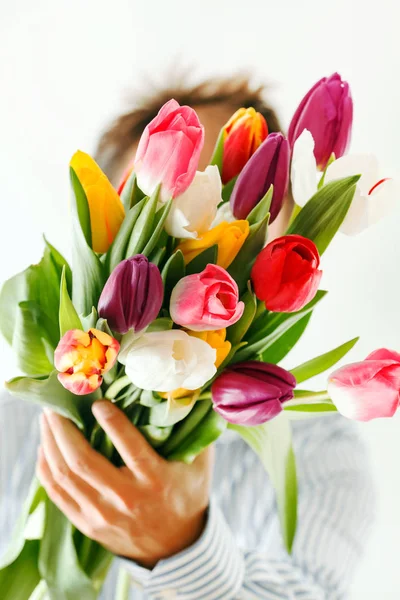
(133, 448)
(80, 457)
(84, 494)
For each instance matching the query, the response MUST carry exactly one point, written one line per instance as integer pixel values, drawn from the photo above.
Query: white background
(67, 67)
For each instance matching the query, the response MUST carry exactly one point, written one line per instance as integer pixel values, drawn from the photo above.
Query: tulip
(251, 393)
(285, 274)
(243, 134)
(132, 296)
(268, 166)
(82, 359)
(327, 112)
(169, 150)
(105, 207)
(206, 301)
(217, 340)
(367, 390)
(374, 197)
(229, 237)
(192, 213)
(224, 213)
(168, 360)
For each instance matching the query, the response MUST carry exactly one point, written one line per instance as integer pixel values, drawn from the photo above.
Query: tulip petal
(304, 169)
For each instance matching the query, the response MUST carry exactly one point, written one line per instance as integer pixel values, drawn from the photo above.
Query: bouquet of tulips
(178, 309)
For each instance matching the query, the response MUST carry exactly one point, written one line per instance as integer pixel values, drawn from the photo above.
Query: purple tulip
(268, 165)
(251, 393)
(132, 296)
(327, 112)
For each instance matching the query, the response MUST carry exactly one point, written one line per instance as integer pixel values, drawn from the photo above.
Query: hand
(147, 510)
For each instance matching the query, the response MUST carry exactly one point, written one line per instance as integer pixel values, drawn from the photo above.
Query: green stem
(186, 426)
(303, 396)
(85, 551)
(40, 591)
(260, 310)
(116, 387)
(123, 585)
(295, 212)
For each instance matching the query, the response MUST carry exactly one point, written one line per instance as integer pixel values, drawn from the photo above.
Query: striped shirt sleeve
(336, 508)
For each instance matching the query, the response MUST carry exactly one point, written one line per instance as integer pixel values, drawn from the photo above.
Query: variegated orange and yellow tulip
(82, 359)
(106, 209)
(243, 134)
(229, 237)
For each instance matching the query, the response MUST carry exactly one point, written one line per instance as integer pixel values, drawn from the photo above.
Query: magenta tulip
(327, 112)
(206, 301)
(268, 166)
(367, 390)
(132, 296)
(169, 150)
(252, 392)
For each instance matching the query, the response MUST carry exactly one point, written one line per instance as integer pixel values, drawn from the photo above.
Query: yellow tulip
(229, 237)
(106, 209)
(216, 339)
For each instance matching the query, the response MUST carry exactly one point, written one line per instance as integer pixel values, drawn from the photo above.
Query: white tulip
(374, 196)
(167, 360)
(304, 172)
(193, 211)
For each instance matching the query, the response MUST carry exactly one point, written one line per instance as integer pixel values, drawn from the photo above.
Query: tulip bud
(206, 301)
(286, 275)
(327, 112)
(132, 296)
(83, 358)
(229, 237)
(105, 207)
(369, 389)
(268, 166)
(169, 150)
(251, 393)
(243, 134)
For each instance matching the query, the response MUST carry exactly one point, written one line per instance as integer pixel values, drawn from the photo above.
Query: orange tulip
(243, 134)
(106, 209)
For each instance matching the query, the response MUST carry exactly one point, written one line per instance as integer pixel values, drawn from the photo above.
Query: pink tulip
(206, 301)
(369, 389)
(169, 151)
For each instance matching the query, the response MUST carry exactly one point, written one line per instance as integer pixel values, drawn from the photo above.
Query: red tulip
(243, 134)
(369, 389)
(285, 274)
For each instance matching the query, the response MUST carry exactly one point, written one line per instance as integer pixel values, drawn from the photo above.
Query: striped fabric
(240, 554)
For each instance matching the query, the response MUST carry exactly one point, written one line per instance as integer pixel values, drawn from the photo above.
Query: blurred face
(214, 117)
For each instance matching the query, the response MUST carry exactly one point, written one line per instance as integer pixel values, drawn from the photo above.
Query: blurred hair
(234, 92)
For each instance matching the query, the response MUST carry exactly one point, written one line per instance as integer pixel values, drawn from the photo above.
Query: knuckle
(62, 473)
(80, 464)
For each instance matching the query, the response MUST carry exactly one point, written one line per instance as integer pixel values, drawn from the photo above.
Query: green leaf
(240, 268)
(228, 189)
(117, 250)
(307, 404)
(171, 411)
(205, 433)
(58, 561)
(60, 264)
(144, 225)
(261, 210)
(199, 263)
(158, 226)
(275, 326)
(68, 317)
(173, 271)
(322, 216)
(277, 351)
(272, 441)
(161, 324)
(236, 332)
(89, 320)
(81, 207)
(131, 194)
(157, 256)
(29, 340)
(48, 392)
(321, 363)
(88, 271)
(156, 436)
(218, 153)
(19, 580)
(39, 284)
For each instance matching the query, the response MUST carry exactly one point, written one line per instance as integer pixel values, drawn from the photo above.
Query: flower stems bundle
(179, 309)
